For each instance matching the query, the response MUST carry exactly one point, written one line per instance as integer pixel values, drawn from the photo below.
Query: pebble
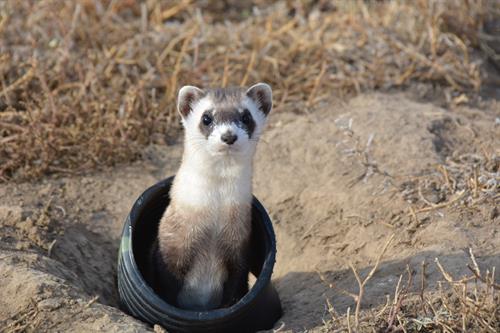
(49, 304)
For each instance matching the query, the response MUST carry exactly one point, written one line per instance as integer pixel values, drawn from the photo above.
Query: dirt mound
(337, 182)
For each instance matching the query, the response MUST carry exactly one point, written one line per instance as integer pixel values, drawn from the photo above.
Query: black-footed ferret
(200, 260)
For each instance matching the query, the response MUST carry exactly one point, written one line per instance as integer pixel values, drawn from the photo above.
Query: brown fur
(185, 235)
(229, 96)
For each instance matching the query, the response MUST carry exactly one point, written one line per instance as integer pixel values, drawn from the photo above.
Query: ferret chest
(219, 234)
(223, 230)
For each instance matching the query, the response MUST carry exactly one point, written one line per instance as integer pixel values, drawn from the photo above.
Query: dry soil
(337, 182)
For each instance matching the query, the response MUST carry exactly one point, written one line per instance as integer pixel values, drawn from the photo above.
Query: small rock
(494, 213)
(49, 304)
(159, 329)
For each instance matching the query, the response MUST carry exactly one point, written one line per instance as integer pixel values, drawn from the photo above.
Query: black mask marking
(227, 115)
(206, 128)
(247, 122)
(227, 103)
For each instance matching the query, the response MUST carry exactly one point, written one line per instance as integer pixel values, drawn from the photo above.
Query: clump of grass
(85, 84)
(463, 180)
(468, 304)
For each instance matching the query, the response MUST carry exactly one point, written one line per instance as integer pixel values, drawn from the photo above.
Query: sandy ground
(337, 182)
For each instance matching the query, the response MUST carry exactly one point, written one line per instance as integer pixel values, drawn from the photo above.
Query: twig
(249, 67)
(25, 78)
(51, 246)
(91, 301)
(445, 274)
(442, 205)
(349, 320)
(482, 279)
(317, 82)
(442, 168)
(399, 297)
(362, 283)
(282, 326)
(395, 308)
(473, 258)
(422, 284)
(414, 215)
(307, 233)
(43, 83)
(174, 10)
(423, 198)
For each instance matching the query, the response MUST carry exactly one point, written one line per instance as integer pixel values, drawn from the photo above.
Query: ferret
(200, 259)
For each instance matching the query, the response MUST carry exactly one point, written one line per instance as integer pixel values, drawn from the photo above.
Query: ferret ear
(188, 95)
(262, 95)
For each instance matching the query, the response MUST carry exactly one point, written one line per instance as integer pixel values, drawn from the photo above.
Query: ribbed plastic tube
(259, 309)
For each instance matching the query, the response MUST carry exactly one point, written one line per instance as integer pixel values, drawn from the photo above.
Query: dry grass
(88, 83)
(464, 180)
(468, 304)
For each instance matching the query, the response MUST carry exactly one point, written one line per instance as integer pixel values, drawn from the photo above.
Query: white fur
(202, 288)
(212, 173)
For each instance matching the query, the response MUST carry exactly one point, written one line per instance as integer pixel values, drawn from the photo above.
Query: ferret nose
(229, 138)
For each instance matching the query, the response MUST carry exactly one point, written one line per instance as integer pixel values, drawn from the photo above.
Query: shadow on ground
(303, 294)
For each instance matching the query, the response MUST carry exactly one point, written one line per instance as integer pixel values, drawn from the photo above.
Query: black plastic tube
(259, 309)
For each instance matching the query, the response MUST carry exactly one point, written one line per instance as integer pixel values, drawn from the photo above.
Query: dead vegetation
(467, 181)
(35, 231)
(467, 304)
(85, 84)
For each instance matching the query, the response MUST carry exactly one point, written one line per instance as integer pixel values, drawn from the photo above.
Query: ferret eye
(246, 119)
(206, 119)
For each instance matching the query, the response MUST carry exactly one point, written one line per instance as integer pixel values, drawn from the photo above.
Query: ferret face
(224, 122)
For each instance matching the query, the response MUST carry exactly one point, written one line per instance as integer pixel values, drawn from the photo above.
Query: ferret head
(226, 121)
